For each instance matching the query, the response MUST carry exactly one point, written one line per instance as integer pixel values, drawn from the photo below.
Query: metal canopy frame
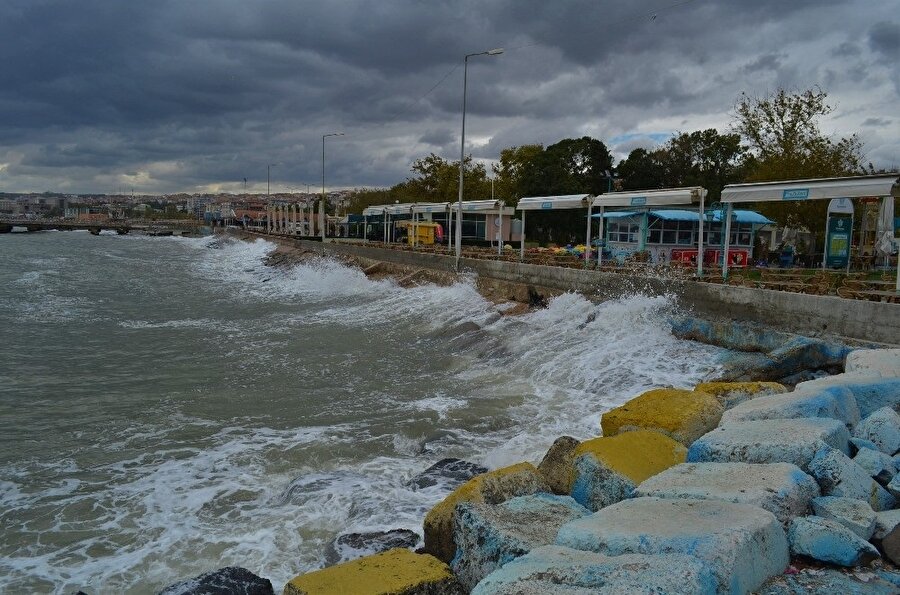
(662, 197)
(870, 186)
(556, 203)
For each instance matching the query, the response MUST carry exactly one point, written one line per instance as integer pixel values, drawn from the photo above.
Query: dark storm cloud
(171, 95)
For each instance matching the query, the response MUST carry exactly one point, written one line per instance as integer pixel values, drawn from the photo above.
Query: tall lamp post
(322, 217)
(269, 177)
(462, 149)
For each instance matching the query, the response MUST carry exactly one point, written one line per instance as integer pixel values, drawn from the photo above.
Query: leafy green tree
(509, 172)
(782, 130)
(642, 170)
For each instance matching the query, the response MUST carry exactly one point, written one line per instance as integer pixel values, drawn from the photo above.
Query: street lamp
(462, 149)
(269, 177)
(324, 136)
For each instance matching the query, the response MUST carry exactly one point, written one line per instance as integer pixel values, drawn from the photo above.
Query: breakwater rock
(711, 490)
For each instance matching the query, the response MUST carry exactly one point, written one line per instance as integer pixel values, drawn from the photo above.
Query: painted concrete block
(894, 487)
(853, 514)
(491, 488)
(793, 441)
(885, 522)
(732, 393)
(682, 415)
(834, 402)
(839, 475)
(744, 545)
(882, 427)
(871, 392)
(555, 570)
(829, 541)
(608, 469)
(884, 362)
(781, 488)
(877, 464)
(397, 571)
(487, 537)
(859, 444)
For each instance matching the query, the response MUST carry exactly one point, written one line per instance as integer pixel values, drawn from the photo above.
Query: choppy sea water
(170, 406)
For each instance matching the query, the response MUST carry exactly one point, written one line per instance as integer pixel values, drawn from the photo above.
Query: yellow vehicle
(422, 232)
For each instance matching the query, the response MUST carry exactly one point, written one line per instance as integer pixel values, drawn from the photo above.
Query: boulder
(881, 427)
(231, 579)
(838, 475)
(781, 488)
(829, 541)
(608, 469)
(871, 392)
(555, 570)
(350, 546)
(743, 545)
(730, 394)
(397, 571)
(449, 473)
(682, 415)
(833, 402)
(882, 362)
(487, 537)
(859, 444)
(890, 545)
(804, 353)
(828, 580)
(492, 487)
(894, 487)
(853, 514)
(877, 464)
(885, 522)
(793, 441)
(556, 466)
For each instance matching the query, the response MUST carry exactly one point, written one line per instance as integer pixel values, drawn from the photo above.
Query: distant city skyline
(168, 96)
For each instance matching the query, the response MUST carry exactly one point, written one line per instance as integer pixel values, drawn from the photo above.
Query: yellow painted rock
(394, 572)
(607, 469)
(492, 487)
(681, 414)
(733, 393)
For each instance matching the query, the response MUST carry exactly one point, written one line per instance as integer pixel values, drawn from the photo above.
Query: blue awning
(740, 216)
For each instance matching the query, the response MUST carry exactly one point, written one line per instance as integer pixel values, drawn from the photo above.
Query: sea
(170, 406)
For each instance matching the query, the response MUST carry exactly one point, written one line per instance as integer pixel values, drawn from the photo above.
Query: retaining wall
(811, 315)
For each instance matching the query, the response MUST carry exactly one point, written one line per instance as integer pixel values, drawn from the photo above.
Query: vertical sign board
(838, 233)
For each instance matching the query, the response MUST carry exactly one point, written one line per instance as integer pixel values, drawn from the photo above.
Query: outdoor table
(882, 295)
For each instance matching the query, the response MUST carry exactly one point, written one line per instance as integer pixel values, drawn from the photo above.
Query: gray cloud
(171, 95)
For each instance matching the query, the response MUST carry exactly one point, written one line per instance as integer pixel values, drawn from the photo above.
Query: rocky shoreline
(741, 485)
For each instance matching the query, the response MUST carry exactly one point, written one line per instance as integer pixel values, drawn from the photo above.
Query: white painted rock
(882, 428)
(838, 475)
(794, 441)
(871, 391)
(835, 402)
(781, 488)
(487, 537)
(555, 570)
(877, 464)
(829, 541)
(853, 514)
(743, 545)
(884, 362)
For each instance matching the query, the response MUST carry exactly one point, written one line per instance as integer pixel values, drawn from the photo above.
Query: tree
(782, 130)
(641, 170)
(509, 171)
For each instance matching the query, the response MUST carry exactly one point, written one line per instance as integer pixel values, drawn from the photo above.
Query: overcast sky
(193, 95)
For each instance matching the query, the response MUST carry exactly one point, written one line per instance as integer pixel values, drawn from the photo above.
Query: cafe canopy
(554, 203)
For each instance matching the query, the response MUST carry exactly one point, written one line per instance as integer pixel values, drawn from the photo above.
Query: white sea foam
(272, 499)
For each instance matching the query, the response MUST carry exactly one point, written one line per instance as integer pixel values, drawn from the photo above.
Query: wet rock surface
(350, 546)
(231, 580)
(449, 472)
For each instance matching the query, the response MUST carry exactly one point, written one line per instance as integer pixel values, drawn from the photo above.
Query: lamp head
(494, 51)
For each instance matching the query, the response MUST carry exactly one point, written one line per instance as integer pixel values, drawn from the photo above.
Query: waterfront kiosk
(481, 220)
(555, 203)
(433, 213)
(884, 186)
(641, 202)
(376, 211)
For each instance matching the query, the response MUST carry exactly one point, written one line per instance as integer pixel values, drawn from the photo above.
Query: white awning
(399, 209)
(477, 205)
(814, 189)
(372, 211)
(549, 203)
(651, 198)
(430, 207)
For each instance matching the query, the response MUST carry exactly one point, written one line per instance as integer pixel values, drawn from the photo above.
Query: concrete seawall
(810, 315)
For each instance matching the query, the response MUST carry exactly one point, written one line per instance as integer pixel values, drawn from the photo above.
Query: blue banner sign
(547, 205)
(837, 240)
(795, 194)
(638, 201)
